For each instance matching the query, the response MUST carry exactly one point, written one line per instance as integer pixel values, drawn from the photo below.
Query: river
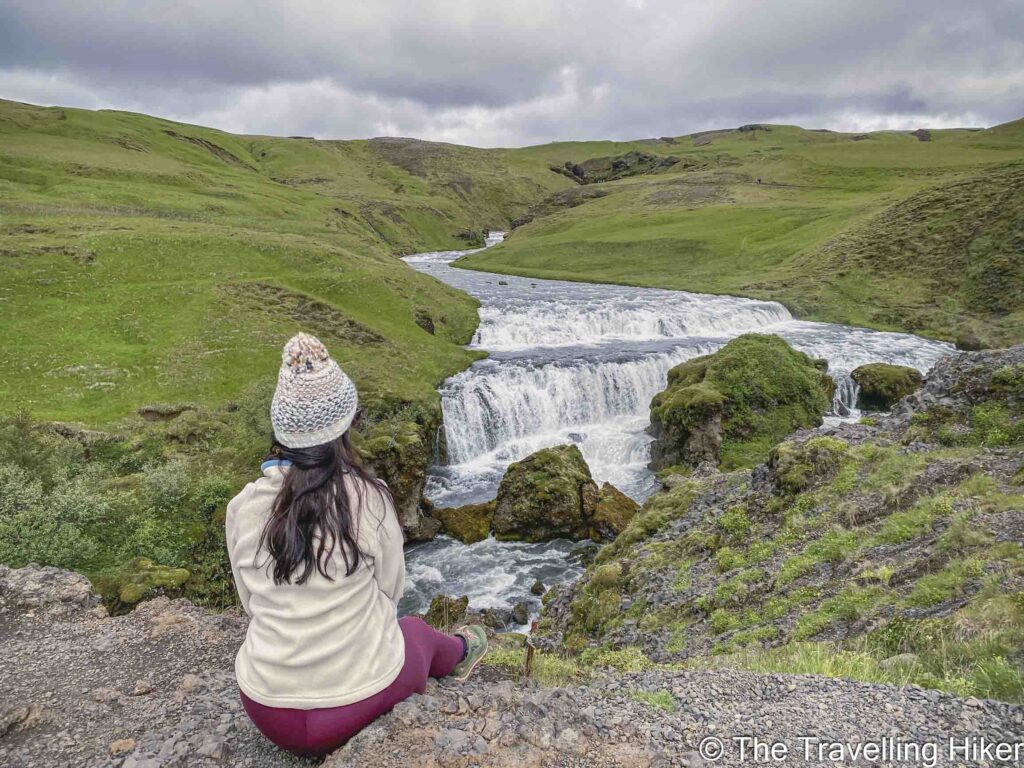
(579, 363)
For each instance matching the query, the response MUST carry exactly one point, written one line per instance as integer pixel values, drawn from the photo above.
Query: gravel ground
(156, 688)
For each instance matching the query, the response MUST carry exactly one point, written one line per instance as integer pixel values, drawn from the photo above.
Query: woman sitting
(316, 553)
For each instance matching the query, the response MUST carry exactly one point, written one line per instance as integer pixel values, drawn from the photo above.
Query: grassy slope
(884, 231)
(144, 260)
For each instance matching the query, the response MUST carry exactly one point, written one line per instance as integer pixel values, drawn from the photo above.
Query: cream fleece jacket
(323, 643)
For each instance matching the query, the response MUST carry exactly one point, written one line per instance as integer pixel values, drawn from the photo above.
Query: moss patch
(612, 513)
(138, 579)
(883, 385)
(734, 405)
(469, 523)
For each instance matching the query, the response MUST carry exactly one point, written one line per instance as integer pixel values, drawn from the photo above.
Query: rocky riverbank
(155, 688)
(895, 544)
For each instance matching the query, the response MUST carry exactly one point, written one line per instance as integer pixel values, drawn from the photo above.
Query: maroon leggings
(318, 731)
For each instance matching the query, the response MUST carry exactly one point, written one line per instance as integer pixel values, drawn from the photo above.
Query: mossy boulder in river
(732, 406)
(469, 524)
(445, 613)
(551, 494)
(883, 385)
(399, 452)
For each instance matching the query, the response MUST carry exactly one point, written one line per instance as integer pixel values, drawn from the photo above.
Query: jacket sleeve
(231, 538)
(389, 559)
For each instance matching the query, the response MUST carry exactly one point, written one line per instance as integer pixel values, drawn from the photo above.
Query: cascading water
(579, 363)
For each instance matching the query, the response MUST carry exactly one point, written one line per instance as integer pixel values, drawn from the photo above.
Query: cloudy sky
(515, 72)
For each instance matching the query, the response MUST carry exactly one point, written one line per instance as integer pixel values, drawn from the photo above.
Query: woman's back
(324, 642)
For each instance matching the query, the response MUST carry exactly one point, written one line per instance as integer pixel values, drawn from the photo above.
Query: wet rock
(521, 613)
(883, 385)
(538, 588)
(445, 613)
(469, 523)
(551, 494)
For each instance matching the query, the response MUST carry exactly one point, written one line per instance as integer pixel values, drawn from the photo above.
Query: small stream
(579, 363)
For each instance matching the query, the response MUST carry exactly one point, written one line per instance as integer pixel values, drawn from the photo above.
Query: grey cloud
(522, 71)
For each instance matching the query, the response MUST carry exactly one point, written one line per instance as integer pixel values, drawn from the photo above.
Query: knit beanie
(315, 402)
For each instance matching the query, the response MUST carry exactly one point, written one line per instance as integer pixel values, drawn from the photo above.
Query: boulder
(445, 613)
(469, 523)
(399, 452)
(45, 589)
(612, 513)
(548, 495)
(883, 385)
(732, 406)
(794, 466)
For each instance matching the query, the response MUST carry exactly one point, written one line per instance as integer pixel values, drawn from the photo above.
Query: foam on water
(579, 363)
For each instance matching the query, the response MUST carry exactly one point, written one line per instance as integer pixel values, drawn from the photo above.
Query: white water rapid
(579, 363)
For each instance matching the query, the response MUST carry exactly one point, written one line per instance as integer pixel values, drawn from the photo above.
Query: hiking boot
(476, 647)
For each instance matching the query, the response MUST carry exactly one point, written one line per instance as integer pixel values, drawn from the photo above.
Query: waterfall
(651, 315)
(579, 363)
(498, 402)
(844, 402)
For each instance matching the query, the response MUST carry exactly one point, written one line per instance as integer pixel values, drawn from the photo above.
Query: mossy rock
(469, 523)
(399, 452)
(548, 495)
(445, 613)
(795, 467)
(612, 513)
(883, 385)
(732, 406)
(138, 579)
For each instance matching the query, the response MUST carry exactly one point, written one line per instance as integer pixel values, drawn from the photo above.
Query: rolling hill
(148, 261)
(918, 231)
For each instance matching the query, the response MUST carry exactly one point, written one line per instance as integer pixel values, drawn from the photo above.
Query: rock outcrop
(598, 169)
(551, 494)
(730, 407)
(881, 385)
(399, 452)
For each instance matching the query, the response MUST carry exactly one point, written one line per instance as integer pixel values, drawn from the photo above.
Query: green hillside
(148, 261)
(146, 264)
(921, 232)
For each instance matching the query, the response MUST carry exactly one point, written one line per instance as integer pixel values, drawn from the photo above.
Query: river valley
(579, 363)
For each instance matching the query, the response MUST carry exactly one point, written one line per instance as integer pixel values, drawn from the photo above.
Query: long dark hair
(313, 512)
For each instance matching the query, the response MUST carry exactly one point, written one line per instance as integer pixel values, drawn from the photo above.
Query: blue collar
(271, 463)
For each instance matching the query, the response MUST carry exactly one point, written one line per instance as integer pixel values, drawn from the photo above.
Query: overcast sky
(516, 72)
